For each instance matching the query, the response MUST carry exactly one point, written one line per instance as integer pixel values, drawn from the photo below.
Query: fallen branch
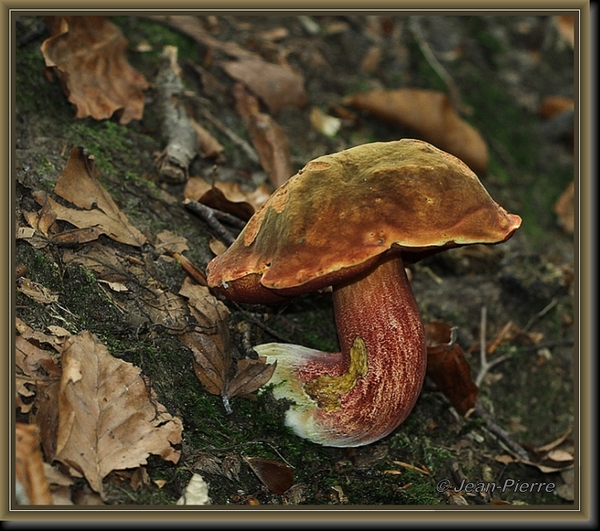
(211, 218)
(178, 131)
(501, 434)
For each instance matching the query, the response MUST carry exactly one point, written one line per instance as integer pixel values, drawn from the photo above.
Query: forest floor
(521, 295)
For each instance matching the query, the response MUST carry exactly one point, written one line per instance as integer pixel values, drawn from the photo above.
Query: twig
(501, 434)
(415, 29)
(262, 325)
(485, 364)
(247, 148)
(539, 315)
(550, 344)
(209, 216)
(230, 219)
(478, 412)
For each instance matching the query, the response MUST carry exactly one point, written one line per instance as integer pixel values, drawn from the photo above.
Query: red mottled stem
(380, 308)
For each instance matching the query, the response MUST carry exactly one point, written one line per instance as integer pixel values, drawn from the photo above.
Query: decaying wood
(178, 132)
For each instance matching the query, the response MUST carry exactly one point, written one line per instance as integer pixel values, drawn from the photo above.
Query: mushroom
(352, 220)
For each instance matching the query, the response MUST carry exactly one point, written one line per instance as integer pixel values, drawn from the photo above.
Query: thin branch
(209, 216)
(502, 434)
(539, 315)
(486, 365)
(262, 325)
(247, 148)
(417, 33)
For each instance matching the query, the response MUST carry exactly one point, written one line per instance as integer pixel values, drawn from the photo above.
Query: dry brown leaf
(84, 235)
(41, 220)
(566, 27)
(212, 363)
(267, 136)
(205, 307)
(29, 466)
(37, 381)
(154, 301)
(169, 242)
(192, 26)
(36, 375)
(103, 261)
(276, 476)
(196, 187)
(448, 368)
(251, 375)
(79, 185)
(119, 287)
(33, 363)
(277, 86)
(564, 208)
(553, 105)
(109, 417)
(88, 55)
(430, 114)
(55, 339)
(36, 291)
(216, 199)
(208, 145)
(163, 307)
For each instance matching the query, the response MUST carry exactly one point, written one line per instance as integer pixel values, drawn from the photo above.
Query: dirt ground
(503, 68)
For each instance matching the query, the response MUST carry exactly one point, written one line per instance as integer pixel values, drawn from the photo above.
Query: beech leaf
(430, 114)
(252, 374)
(276, 85)
(88, 55)
(197, 188)
(449, 369)
(211, 363)
(79, 185)
(29, 466)
(109, 418)
(276, 476)
(267, 136)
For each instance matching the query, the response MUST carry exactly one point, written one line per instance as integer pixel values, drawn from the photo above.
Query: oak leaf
(109, 417)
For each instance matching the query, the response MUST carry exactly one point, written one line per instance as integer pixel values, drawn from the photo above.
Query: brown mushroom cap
(338, 215)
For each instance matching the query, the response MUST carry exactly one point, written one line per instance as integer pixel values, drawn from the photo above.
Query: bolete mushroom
(352, 220)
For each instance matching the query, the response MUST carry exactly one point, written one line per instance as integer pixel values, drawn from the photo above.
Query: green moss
(489, 44)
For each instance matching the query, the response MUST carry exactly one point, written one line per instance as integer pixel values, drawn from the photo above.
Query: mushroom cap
(339, 214)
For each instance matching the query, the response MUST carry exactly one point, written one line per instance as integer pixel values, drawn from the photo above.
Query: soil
(503, 68)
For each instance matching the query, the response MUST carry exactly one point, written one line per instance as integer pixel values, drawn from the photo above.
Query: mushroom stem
(363, 393)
